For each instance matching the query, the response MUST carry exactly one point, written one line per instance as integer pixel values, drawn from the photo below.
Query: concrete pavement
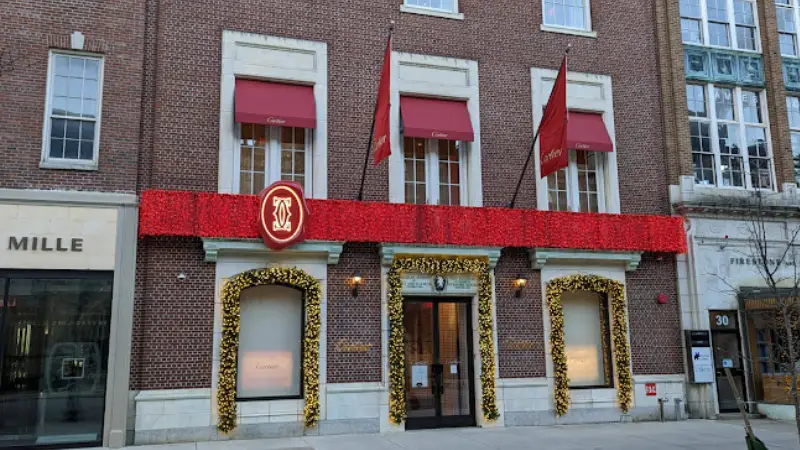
(692, 434)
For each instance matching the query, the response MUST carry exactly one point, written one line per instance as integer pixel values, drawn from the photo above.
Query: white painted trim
(566, 30)
(539, 257)
(226, 248)
(72, 197)
(462, 85)
(432, 12)
(389, 251)
(522, 382)
(235, 43)
(63, 163)
(603, 105)
(676, 378)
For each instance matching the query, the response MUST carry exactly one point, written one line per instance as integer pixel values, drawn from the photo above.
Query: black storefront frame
(438, 420)
(44, 274)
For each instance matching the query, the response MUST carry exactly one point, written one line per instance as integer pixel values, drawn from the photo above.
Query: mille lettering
(41, 244)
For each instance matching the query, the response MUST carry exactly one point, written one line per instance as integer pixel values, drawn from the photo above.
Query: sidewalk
(692, 434)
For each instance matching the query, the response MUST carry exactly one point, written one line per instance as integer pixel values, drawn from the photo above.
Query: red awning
(587, 131)
(287, 105)
(436, 119)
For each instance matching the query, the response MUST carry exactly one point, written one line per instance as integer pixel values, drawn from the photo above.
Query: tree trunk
(787, 327)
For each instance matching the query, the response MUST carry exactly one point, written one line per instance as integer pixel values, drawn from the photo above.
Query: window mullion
(704, 19)
(237, 158)
(463, 171)
(309, 158)
(600, 176)
(714, 134)
(748, 184)
(732, 25)
(273, 150)
(573, 196)
(432, 172)
(796, 18)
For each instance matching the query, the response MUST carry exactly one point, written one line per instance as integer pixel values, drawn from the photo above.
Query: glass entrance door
(727, 355)
(54, 333)
(439, 382)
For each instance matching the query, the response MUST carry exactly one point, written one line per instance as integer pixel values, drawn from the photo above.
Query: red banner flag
(380, 136)
(553, 128)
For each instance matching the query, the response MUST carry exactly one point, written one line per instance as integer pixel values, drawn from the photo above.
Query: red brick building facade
(170, 134)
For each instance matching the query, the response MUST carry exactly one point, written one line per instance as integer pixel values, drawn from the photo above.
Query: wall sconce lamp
(356, 281)
(519, 284)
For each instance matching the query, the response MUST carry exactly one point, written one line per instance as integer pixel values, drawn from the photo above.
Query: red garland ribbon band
(181, 213)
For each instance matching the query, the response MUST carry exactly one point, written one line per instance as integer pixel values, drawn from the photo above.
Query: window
(268, 154)
(567, 14)
(434, 171)
(586, 339)
(786, 11)
(72, 121)
(270, 343)
(450, 6)
(578, 187)
(720, 23)
(729, 137)
(793, 109)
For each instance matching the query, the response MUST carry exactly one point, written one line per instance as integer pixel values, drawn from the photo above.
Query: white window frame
(794, 6)
(732, 37)
(455, 9)
(278, 59)
(435, 77)
(272, 158)
(589, 93)
(64, 163)
(573, 186)
(432, 180)
(712, 120)
(794, 132)
(587, 19)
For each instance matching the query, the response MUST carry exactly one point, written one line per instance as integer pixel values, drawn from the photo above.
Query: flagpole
(371, 135)
(533, 145)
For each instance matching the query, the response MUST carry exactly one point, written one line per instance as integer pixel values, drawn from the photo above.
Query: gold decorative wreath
(619, 329)
(229, 346)
(431, 266)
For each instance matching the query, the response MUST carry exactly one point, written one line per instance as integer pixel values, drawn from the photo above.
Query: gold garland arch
(432, 266)
(229, 346)
(619, 330)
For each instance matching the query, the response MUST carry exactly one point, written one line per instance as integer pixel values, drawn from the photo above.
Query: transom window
(578, 187)
(435, 171)
(788, 18)
(436, 5)
(729, 137)
(793, 109)
(567, 13)
(268, 154)
(72, 123)
(711, 22)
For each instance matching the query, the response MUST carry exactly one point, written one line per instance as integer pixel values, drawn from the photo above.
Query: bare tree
(774, 309)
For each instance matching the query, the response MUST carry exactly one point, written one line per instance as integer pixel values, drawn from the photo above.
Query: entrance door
(439, 382)
(54, 337)
(727, 354)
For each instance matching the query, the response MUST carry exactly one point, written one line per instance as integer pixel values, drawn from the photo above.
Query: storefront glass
(54, 340)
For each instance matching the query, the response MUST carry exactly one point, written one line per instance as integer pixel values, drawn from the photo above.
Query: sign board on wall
(282, 214)
(455, 284)
(698, 344)
(650, 389)
(57, 237)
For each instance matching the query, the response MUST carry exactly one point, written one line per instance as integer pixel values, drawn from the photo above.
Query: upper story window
(268, 154)
(434, 171)
(72, 116)
(568, 14)
(787, 12)
(450, 6)
(579, 187)
(436, 136)
(793, 109)
(730, 147)
(275, 124)
(720, 23)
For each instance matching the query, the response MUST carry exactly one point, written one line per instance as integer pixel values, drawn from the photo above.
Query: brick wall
(520, 332)
(655, 330)
(354, 321)
(173, 320)
(30, 28)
